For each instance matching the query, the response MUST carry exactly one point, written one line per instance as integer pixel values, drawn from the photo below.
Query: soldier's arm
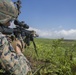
(16, 64)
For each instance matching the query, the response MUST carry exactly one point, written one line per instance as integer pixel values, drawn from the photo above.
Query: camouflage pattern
(8, 11)
(16, 64)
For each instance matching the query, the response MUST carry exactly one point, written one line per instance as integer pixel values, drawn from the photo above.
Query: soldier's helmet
(8, 11)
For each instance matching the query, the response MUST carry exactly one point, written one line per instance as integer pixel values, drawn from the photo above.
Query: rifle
(26, 35)
(29, 36)
(20, 32)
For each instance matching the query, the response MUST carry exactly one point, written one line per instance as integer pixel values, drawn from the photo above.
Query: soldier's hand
(18, 47)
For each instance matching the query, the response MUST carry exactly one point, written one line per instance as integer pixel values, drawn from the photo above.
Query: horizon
(51, 18)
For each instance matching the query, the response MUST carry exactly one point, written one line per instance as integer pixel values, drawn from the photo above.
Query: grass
(55, 57)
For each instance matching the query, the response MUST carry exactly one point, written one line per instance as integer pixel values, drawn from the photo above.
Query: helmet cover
(8, 11)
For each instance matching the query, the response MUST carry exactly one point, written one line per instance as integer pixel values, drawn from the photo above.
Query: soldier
(12, 60)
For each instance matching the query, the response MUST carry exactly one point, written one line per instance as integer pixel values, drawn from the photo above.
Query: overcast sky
(50, 18)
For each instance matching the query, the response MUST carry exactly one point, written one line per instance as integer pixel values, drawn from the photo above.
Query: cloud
(61, 33)
(67, 34)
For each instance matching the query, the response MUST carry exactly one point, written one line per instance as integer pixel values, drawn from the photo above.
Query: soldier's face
(8, 23)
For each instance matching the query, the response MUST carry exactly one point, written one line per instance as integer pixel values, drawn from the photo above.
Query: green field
(55, 57)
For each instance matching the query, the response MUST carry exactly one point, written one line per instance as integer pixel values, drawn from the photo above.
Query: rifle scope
(21, 24)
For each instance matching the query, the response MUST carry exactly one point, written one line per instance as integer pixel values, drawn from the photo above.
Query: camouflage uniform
(16, 64)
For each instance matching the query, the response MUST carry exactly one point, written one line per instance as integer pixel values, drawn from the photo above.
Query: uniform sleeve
(16, 64)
